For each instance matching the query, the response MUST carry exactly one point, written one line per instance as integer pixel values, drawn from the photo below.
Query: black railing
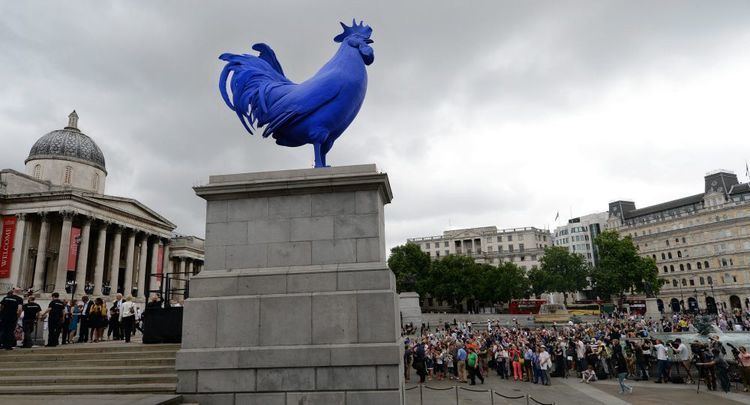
(529, 399)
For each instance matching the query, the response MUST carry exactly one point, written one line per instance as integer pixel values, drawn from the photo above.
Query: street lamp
(697, 304)
(713, 295)
(682, 297)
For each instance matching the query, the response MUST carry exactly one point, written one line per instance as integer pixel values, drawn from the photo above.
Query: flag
(557, 216)
(747, 170)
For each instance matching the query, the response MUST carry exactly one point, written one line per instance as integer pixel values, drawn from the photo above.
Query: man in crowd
(461, 357)
(662, 362)
(31, 312)
(84, 320)
(56, 311)
(10, 310)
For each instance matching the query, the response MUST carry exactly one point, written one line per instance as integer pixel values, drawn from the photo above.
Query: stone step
(66, 356)
(95, 399)
(94, 348)
(101, 379)
(95, 362)
(39, 389)
(62, 369)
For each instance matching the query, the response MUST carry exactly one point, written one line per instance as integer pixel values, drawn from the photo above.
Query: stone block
(334, 318)
(364, 280)
(345, 378)
(215, 258)
(372, 398)
(199, 317)
(368, 250)
(285, 320)
(206, 359)
(289, 254)
(366, 354)
(278, 398)
(333, 204)
(316, 398)
(285, 357)
(261, 285)
(247, 208)
(311, 282)
(289, 206)
(268, 230)
(375, 317)
(312, 228)
(246, 256)
(368, 202)
(187, 381)
(209, 399)
(334, 251)
(238, 380)
(213, 286)
(237, 322)
(226, 234)
(285, 379)
(216, 211)
(389, 377)
(356, 226)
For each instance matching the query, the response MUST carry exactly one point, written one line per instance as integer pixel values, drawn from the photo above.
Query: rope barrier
(439, 389)
(540, 403)
(412, 388)
(509, 397)
(472, 389)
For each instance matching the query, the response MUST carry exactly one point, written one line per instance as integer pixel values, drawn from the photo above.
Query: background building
(523, 246)
(701, 243)
(60, 230)
(579, 233)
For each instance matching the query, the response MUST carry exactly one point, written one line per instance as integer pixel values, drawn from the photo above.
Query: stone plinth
(296, 304)
(411, 312)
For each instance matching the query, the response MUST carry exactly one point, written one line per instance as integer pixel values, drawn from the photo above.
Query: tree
(411, 266)
(538, 280)
(503, 283)
(453, 278)
(620, 269)
(560, 271)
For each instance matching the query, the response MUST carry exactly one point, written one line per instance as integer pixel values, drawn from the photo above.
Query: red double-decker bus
(521, 307)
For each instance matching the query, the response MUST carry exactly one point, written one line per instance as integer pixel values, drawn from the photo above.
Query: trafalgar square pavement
(296, 303)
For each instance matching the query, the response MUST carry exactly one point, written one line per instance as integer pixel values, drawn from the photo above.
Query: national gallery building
(62, 233)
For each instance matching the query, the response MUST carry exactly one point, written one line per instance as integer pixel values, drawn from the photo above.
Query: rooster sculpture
(316, 111)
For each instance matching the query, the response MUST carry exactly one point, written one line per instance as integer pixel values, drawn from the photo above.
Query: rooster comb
(360, 29)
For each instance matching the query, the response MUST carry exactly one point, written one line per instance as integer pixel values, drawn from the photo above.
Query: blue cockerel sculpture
(316, 111)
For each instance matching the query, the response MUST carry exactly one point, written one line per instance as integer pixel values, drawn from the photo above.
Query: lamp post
(697, 304)
(682, 297)
(713, 295)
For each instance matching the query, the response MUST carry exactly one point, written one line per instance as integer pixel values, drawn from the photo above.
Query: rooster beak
(369, 41)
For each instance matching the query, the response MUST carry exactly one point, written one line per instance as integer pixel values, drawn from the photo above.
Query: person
(744, 362)
(528, 363)
(113, 331)
(419, 362)
(67, 317)
(31, 311)
(127, 317)
(580, 355)
(621, 366)
(56, 312)
(75, 315)
(588, 375)
(545, 362)
(408, 361)
(83, 336)
(516, 362)
(118, 329)
(472, 364)
(98, 319)
(662, 361)
(721, 367)
(461, 356)
(501, 362)
(683, 359)
(10, 310)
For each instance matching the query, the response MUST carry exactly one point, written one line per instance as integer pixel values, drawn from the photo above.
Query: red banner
(6, 245)
(160, 260)
(75, 234)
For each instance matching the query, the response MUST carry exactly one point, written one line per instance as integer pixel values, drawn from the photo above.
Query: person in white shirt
(683, 355)
(127, 317)
(662, 361)
(545, 362)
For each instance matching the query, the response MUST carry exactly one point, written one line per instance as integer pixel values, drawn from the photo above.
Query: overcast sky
(482, 113)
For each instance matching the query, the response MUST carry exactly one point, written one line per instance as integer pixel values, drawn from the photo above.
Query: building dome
(70, 144)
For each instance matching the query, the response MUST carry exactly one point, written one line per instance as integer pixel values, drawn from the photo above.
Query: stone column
(18, 248)
(296, 303)
(63, 253)
(83, 256)
(41, 253)
(180, 272)
(142, 267)
(154, 260)
(129, 261)
(114, 265)
(101, 248)
(190, 268)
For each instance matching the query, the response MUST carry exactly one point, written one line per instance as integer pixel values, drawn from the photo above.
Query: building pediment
(130, 206)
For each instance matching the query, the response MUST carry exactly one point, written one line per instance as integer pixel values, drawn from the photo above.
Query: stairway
(107, 368)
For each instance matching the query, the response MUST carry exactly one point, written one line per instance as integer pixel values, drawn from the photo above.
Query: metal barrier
(492, 393)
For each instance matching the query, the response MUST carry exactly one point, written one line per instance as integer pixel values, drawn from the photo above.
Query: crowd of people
(622, 347)
(67, 321)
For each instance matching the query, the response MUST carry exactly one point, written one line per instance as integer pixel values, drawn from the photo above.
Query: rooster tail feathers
(250, 80)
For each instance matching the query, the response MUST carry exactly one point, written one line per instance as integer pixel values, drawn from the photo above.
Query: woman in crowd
(75, 314)
(98, 319)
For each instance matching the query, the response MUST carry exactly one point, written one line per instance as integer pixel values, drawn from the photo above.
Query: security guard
(31, 312)
(56, 310)
(10, 309)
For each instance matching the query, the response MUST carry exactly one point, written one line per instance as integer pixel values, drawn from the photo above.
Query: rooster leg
(318, 159)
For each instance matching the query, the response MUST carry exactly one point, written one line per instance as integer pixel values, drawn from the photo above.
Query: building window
(710, 281)
(674, 283)
(95, 182)
(667, 242)
(682, 267)
(510, 248)
(445, 244)
(692, 282)
(684, 282)
(426, 245)
(669, 255)
(68, 174)
(665, 269)
(724, 262)
(683, 239)
(671, 268)
(437, 253)
(689, 267)
(520, 247)
(705, 264)
(510, 238)
(701, 281)
(679, 253)
(654, 256)
(698, 265)
(38, 172)
(499, 238)
(663, 257)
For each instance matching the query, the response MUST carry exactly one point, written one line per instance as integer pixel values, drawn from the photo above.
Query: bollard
(420, 394)
(456, 387)
(527, 399)
(492, 398)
